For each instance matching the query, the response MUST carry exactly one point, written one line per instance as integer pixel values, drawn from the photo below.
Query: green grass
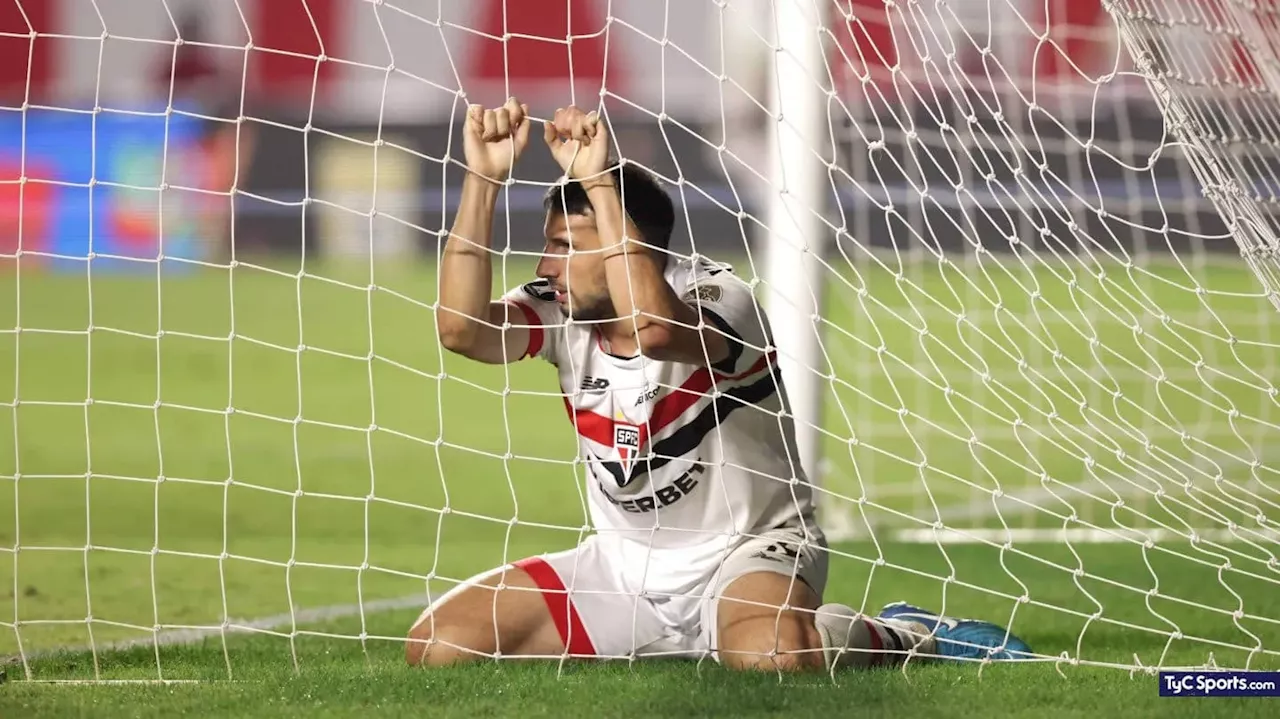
(291, 499)
(338, 686)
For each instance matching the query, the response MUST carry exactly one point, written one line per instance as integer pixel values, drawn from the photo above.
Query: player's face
(577, 277)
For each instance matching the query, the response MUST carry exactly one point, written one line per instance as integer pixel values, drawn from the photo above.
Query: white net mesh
(1218, 45)
(1045, 370)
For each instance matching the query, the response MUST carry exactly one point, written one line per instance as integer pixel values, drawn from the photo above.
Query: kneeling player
(673, 388)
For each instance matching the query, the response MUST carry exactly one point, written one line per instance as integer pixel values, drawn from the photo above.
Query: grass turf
(291, 501)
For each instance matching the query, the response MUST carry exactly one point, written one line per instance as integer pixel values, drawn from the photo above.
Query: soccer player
(705, 540)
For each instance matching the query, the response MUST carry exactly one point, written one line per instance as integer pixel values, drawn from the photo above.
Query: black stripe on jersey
(732, 339)
(689, 436)
(615, 469)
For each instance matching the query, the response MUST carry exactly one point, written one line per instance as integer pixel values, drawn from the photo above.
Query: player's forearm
(635, 279)
(466, 270)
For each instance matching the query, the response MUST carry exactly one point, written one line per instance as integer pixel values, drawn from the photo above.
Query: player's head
(579, 277)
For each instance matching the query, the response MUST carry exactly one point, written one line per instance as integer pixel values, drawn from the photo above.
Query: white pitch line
(191, 635)
(1078, 535)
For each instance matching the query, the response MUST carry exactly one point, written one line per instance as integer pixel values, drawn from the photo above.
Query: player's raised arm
(467, 321)
(665, 327)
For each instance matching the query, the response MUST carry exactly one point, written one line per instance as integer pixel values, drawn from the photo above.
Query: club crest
(626, 441)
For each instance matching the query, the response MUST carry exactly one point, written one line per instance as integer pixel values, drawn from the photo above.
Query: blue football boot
(961, 638)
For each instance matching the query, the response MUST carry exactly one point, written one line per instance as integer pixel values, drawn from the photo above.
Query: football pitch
(271, 471)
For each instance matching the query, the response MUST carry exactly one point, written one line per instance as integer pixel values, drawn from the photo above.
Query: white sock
(850, 640)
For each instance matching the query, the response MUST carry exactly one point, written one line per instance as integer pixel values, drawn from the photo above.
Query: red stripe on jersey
(595, 427)
(599, 429)
(677, 402)
(572, 631)
(535, 328)
(764, 361)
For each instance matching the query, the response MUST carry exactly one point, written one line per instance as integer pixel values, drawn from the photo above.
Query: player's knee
(434, 644)
(799, 661)
(796, 648)
(419, 644)
(774, 661)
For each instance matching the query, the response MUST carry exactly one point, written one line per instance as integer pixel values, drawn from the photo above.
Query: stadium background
(132, 68)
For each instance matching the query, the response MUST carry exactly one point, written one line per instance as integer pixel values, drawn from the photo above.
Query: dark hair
(647, 203)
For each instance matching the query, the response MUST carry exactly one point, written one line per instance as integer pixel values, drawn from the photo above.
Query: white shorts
(597, 617)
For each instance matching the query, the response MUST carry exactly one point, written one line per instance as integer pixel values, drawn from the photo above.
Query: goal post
(1019, 259)
(797, 237)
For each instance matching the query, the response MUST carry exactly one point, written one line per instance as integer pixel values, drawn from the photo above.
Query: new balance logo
(594, 384)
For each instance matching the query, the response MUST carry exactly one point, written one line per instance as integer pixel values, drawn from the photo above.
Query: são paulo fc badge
(626, 440)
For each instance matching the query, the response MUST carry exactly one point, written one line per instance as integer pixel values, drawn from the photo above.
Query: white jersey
(682, 461)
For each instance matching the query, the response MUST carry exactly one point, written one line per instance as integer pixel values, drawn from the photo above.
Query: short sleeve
(540, 313)
(727, 303)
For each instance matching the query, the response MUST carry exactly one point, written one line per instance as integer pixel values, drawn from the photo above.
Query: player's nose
(548, 268)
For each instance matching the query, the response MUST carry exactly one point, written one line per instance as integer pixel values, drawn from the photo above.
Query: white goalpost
(1022, 273)
(796, 238)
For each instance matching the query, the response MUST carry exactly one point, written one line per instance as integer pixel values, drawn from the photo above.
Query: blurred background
(249, 77)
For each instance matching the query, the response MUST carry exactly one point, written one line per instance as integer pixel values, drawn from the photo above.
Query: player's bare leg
(756, 632)
(767, 620)
(477, 620)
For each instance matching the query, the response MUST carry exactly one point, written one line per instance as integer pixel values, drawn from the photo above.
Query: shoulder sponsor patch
(704, 292)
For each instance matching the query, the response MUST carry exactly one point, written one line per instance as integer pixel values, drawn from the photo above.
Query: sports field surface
(249, 487)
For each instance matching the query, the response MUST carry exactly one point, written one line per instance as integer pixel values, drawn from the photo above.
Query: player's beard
(590, 309)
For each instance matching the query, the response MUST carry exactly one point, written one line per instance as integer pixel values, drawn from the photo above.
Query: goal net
(1020, 258)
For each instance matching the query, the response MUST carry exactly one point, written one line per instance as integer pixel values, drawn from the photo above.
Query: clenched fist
(579, 142)
(492, 139)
